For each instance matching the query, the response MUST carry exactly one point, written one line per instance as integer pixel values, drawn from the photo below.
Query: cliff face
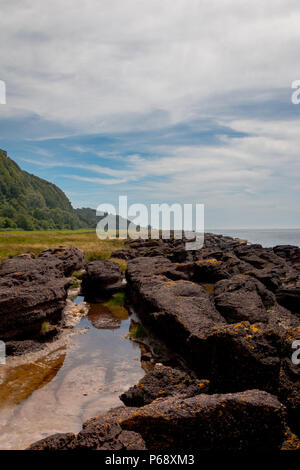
(31, 203)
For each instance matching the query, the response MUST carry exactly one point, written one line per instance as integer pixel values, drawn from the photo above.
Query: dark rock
(124, 254)
(100, 433)
(289, 298)
(243, 298)
(32, 291)
(173, 309)
(101, 279)
(290, 253)
(289, 389)
(65, 258)
(269, 277)
(57, 441)
(251, 420)
(17, 348)
(132, 441)
(237, 357)
(163, 381)
(210, 270)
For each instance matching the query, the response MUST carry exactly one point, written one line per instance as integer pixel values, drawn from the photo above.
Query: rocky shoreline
(230, 312)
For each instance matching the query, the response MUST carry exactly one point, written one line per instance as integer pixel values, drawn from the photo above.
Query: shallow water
(58, 391)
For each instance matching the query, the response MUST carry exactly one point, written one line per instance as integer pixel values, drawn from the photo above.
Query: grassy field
(16, 243)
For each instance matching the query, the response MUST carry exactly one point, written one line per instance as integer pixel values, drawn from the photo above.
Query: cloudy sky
(161, 100)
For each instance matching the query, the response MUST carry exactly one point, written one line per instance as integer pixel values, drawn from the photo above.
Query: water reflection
(58, 392)
(19, 382)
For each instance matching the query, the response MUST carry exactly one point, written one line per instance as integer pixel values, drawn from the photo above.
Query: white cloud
(99, 66)
(112, 65)
(254, 165)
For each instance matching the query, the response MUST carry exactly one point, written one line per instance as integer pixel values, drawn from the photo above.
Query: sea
(265, 237)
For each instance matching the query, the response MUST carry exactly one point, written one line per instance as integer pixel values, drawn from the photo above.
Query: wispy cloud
(169, 100)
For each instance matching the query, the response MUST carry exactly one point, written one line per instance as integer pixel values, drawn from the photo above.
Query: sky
(173, 101)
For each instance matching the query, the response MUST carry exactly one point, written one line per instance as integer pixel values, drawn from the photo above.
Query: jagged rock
(290, 253)
(101, 279)
(59, 441)
(242, 421)
(163, 381)
(289, 388)
(32, 291)
(65, 258)
(268, 277)
(210, 270)
(289, 298)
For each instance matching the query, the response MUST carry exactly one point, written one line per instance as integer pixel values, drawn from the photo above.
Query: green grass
(19, 242)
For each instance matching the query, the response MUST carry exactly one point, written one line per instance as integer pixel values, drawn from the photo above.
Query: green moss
(75, 283)
(117, 300)
(45, 327)
(77, 274)
(137, 331)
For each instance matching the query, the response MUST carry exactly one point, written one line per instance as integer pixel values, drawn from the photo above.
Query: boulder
(163, 381)
(251, 420)
(32, 291)
(101, 279)
(64, 258)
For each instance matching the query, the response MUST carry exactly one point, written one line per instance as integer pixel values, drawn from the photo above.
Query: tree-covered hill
(31, 203)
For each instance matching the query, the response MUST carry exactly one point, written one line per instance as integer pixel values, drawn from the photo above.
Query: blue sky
(170, 101)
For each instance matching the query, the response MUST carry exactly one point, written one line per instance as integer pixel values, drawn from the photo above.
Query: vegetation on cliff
(31, 203)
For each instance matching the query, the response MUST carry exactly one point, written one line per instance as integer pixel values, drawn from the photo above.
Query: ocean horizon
(265, 237)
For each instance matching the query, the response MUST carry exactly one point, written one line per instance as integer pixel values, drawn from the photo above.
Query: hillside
(31, 203)
(89, 217)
